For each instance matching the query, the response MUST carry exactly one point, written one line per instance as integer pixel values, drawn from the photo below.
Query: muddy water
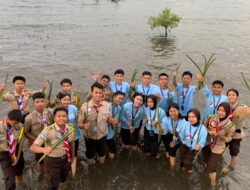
(76, 38)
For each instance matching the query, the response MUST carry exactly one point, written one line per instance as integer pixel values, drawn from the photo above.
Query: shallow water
(76, 38)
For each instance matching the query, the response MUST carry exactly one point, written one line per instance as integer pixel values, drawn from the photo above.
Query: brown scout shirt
(4, 146)
(220, 145)
(50, 135)
(98, 121)
(239, 116)
(35, 122)
(11, 98)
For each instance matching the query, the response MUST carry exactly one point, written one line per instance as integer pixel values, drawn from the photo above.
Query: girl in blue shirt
(65, 101)
(133, 113)
(115, 113)
(174, 123)
(153, 114)
(193, 138)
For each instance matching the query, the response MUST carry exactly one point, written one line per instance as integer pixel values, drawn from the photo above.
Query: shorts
(20, 164)
(234, 147)
(150, 142)
(8, 171)
(111, 145)
(130, 138)
(94, 147)
(56, 170)
(186, 157)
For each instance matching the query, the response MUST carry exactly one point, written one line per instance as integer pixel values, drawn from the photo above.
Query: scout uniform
(212, 102)
(239, 114)
(57, 162)
(19, 102)
(214, 150)
(6, 155)
(96, 135)
(35, 123)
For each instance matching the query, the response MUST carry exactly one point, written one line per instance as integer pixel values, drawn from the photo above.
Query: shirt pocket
(2, 136)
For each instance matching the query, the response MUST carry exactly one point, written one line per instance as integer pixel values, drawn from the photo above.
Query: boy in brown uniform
(93, 117)
(36, 121)
(57, 162)
(239, 113)
(18, 99)
(10, 139)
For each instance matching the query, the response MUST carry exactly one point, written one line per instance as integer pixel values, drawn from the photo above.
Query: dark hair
(146, 73)
(219, 82)
(137, 94)
(117, 93)
(63, 81)
(15, 115)
(163, 75)
(96, 85)
(38, 95)
(154, 98)
(226, 107)
(187, 73)
(197, 113)
(60, 109)
(233, 90)
(61, 95)
(174, 105)
(119, 71)
(18, 78)
(105, 77)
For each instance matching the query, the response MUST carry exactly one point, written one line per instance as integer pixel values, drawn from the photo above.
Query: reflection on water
(162, 46)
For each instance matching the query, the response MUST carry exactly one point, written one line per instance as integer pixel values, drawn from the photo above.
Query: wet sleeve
(205, 91)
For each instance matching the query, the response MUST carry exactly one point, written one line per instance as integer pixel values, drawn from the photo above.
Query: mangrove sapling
(165, 19)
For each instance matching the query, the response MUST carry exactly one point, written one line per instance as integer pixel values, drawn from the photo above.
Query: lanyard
(117, 89)
(233, 109)
(174, 127)
(151, 119)
(116, 111)
(215, 105)
(192, 137)
(162, 94)
(144, 90)
(184, 96)
(134, 114)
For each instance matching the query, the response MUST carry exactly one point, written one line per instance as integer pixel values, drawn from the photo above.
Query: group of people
(163, 112)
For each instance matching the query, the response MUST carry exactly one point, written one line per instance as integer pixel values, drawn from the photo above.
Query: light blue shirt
(166, 97)
(185, 98)
(153, 115)
(146, 90)
(212, 102)
(192, 135)
(178, 125)
(124, 87)
(117, 112)
(72, 118)
(138, 115)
